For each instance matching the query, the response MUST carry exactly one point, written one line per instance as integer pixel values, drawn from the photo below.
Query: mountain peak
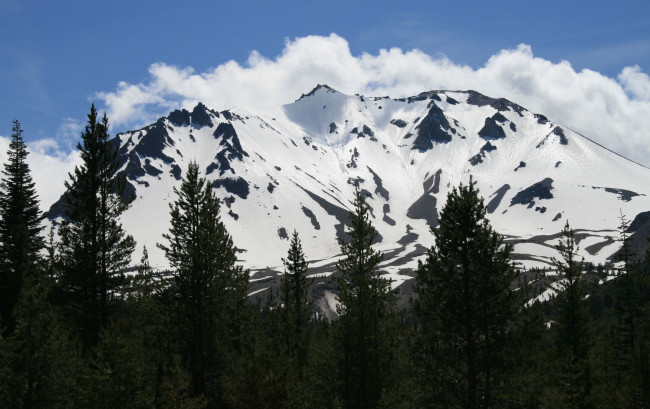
(199, 117)
(318, 87)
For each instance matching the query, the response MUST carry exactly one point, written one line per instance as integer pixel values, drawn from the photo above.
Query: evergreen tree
(294, 296)
(209, 288)
(145, 283)
(627, 300)
(465, 306)
(366, 303)
(20, 227)
(40, 364)
(94, 249)
(572, 326)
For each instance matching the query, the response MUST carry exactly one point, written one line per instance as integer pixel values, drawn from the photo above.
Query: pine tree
(294, 296)
(365, 304)
(20, 227)
(94, 249)
(465, 306)
(209, 287)
(572, 325)
(145, 283)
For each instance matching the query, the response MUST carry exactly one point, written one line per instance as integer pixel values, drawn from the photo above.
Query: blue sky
(56, 57)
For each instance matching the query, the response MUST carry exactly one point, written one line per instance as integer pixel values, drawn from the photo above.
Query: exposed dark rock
(227, 114)
(433, 128)
(408, 238)
(176, 172)
(270, 187)
(368, 131)
(151, 145)
(340, 213)
(496, 198)
(408, 135)
(312, 217)
(541, 119)
(313, 91)
(488, 147)
(229, 140)
(624, 195)
(387, 219)
(233, 214)
(640, 220)
(540, 190)
(150, 169)
(235, 185)
(424, 96)
(353, 159)
(179, 117)
(476, 159)
(379, 188)
(356, 182)
(200, 116)
(557, 164)
(522, 164)
(333, 127)
(424, 208)
(491, 130)
(451, 101)
(596, 247)
(557, 217)
(278, 168)
(499, 117)
(541, 209)
(282, 233)
(398, 123)
(558, 131)
(229, 201)
(500, 104)
(513, 127)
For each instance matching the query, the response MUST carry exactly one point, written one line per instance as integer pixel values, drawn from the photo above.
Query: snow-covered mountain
(296, 167)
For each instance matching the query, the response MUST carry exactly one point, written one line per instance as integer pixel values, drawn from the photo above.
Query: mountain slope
(296, 167)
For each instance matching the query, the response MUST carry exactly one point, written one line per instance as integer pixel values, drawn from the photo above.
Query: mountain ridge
(295, 167)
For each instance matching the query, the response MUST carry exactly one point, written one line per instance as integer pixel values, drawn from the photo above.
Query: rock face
(295, 167)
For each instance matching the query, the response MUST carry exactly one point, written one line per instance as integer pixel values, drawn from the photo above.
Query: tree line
(76, 330)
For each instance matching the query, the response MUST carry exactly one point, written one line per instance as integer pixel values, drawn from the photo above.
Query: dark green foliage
(41, 366)
(93, 249)
(572, 327)
(208, 289)
(20, 228)
(366, 304)
(296, 308)
(465, 305)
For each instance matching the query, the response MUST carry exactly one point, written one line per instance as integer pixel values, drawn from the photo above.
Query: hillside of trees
(77, 330)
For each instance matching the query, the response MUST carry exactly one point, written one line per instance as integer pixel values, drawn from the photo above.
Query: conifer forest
(80, 327)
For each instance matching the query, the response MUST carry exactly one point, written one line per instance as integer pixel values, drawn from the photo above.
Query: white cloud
(613, 112)
(49, 165)
(67, 134)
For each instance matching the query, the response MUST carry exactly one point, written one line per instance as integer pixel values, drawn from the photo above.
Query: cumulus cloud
(49, 164)
(613, 111)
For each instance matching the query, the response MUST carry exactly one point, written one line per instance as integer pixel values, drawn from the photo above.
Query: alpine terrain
(296, 167)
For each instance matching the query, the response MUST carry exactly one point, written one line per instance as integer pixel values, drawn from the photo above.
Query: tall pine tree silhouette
(465, 306)
(94, 249)
(209, 288)
(365, 302)
(297, 307)
(572, 325)
(20, 227)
